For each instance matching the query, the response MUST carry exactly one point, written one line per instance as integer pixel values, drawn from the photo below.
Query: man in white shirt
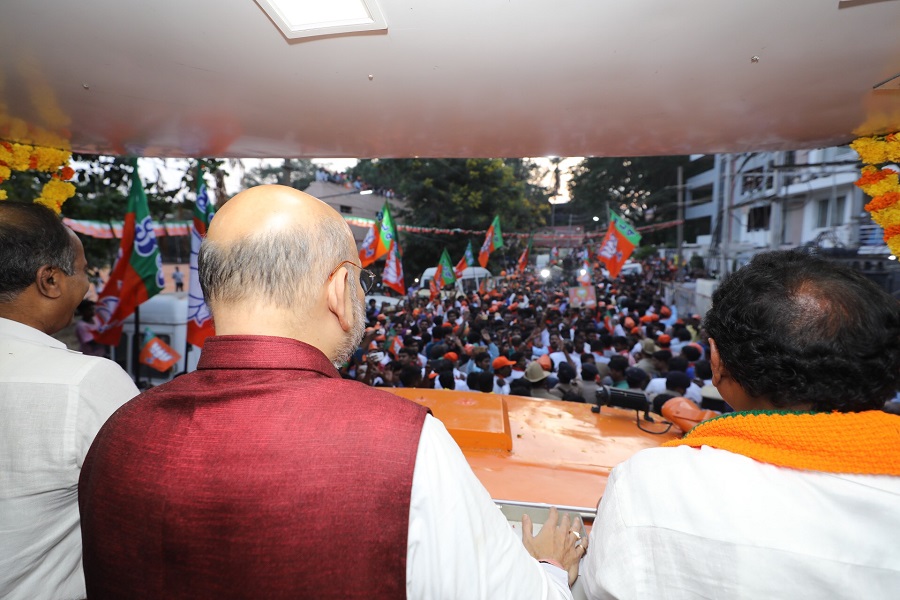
(795, 495)
(52, 403)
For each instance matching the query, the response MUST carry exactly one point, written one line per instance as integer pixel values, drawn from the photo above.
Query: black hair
(565, 372)
(636, 377)
(520, 387)
(447, 380)
(691, 353)
(480, 381)
(410, 375)
(678, 363)
(662, 355)
(702, 370)
(677, 379)
(798, 330)
(618, 363)
(31, 237)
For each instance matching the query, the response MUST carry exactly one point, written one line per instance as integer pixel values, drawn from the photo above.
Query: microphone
(628, 399)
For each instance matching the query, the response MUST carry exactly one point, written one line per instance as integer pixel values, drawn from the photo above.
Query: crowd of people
(269, 472)
(524, 337)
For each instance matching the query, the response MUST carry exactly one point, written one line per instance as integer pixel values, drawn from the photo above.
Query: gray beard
(355, 335)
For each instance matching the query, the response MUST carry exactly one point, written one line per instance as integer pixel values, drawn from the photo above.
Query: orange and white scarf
(861, 443)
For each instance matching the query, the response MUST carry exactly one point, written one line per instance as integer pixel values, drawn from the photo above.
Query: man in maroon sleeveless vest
(264, 474)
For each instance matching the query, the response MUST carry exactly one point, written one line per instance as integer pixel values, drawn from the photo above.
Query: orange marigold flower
(891, 231)
(882, 202)
(32, 162)
(871, 175)
(67, 173)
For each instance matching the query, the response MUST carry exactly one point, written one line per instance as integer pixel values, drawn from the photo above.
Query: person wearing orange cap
(459, 376)
(502, 367)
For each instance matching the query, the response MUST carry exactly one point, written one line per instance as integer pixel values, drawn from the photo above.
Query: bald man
(264, 474)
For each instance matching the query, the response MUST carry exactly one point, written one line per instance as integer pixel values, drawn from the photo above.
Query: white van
(629, 268)
(469, 282)
(166, 316)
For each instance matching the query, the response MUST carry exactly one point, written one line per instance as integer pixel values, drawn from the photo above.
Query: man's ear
(337, 297)
(715, 362)
(47, 280)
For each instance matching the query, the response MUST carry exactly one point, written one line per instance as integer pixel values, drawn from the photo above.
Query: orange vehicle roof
(539, 451)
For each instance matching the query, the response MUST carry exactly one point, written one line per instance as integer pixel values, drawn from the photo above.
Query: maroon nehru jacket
(261, 475)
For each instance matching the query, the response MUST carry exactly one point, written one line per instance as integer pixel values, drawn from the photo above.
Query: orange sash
(863, 443)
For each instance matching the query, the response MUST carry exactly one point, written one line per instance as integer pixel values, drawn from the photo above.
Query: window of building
(838, 217)
(758, 218)
(822, 221)
(346, 210)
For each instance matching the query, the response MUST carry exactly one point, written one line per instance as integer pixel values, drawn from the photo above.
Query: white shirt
(560, 357)
(657, 385)
(52, 403)
(460, 545)
(501, 389)
(705, 523)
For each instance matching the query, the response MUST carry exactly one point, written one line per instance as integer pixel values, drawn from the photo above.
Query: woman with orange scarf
(793, 496)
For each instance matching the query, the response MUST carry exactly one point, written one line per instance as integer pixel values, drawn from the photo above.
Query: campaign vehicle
(472, 278)
(469, 78)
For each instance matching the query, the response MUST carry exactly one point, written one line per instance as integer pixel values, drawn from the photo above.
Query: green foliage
(296, 173)
(642, 252)
(457, 194)
(642, 189)
(101, 194)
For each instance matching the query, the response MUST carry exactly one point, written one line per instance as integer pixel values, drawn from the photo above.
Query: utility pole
(680, 216)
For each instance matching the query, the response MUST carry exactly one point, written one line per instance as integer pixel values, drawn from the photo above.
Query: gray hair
(31, 236)
(278, 266)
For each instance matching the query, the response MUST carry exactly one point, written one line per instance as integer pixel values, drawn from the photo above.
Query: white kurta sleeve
(102, 390)
(460, 545)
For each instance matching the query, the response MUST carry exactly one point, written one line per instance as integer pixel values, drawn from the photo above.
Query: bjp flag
(157, 354)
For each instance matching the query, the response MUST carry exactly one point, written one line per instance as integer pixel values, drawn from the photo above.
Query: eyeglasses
(366, 277)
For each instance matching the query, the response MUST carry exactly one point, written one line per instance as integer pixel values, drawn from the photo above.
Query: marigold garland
(882, 183)
(23, 157)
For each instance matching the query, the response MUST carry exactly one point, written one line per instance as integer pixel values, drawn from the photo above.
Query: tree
(642, 189)
(457, 194)
(295, 173)
(101, 194)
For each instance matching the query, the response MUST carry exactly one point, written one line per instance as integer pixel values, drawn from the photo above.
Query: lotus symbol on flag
(159, 353)
(105, 308)
(610, 247)
(144, 237)
(160, 276)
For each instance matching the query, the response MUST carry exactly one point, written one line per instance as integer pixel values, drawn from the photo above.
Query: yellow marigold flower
(54, 205)
(50, 159)
(877, 182)
(55, 193)
(875, 150)
(2, 194)
(887, 216)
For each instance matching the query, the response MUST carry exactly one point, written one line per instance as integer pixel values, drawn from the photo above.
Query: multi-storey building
(747, 203)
